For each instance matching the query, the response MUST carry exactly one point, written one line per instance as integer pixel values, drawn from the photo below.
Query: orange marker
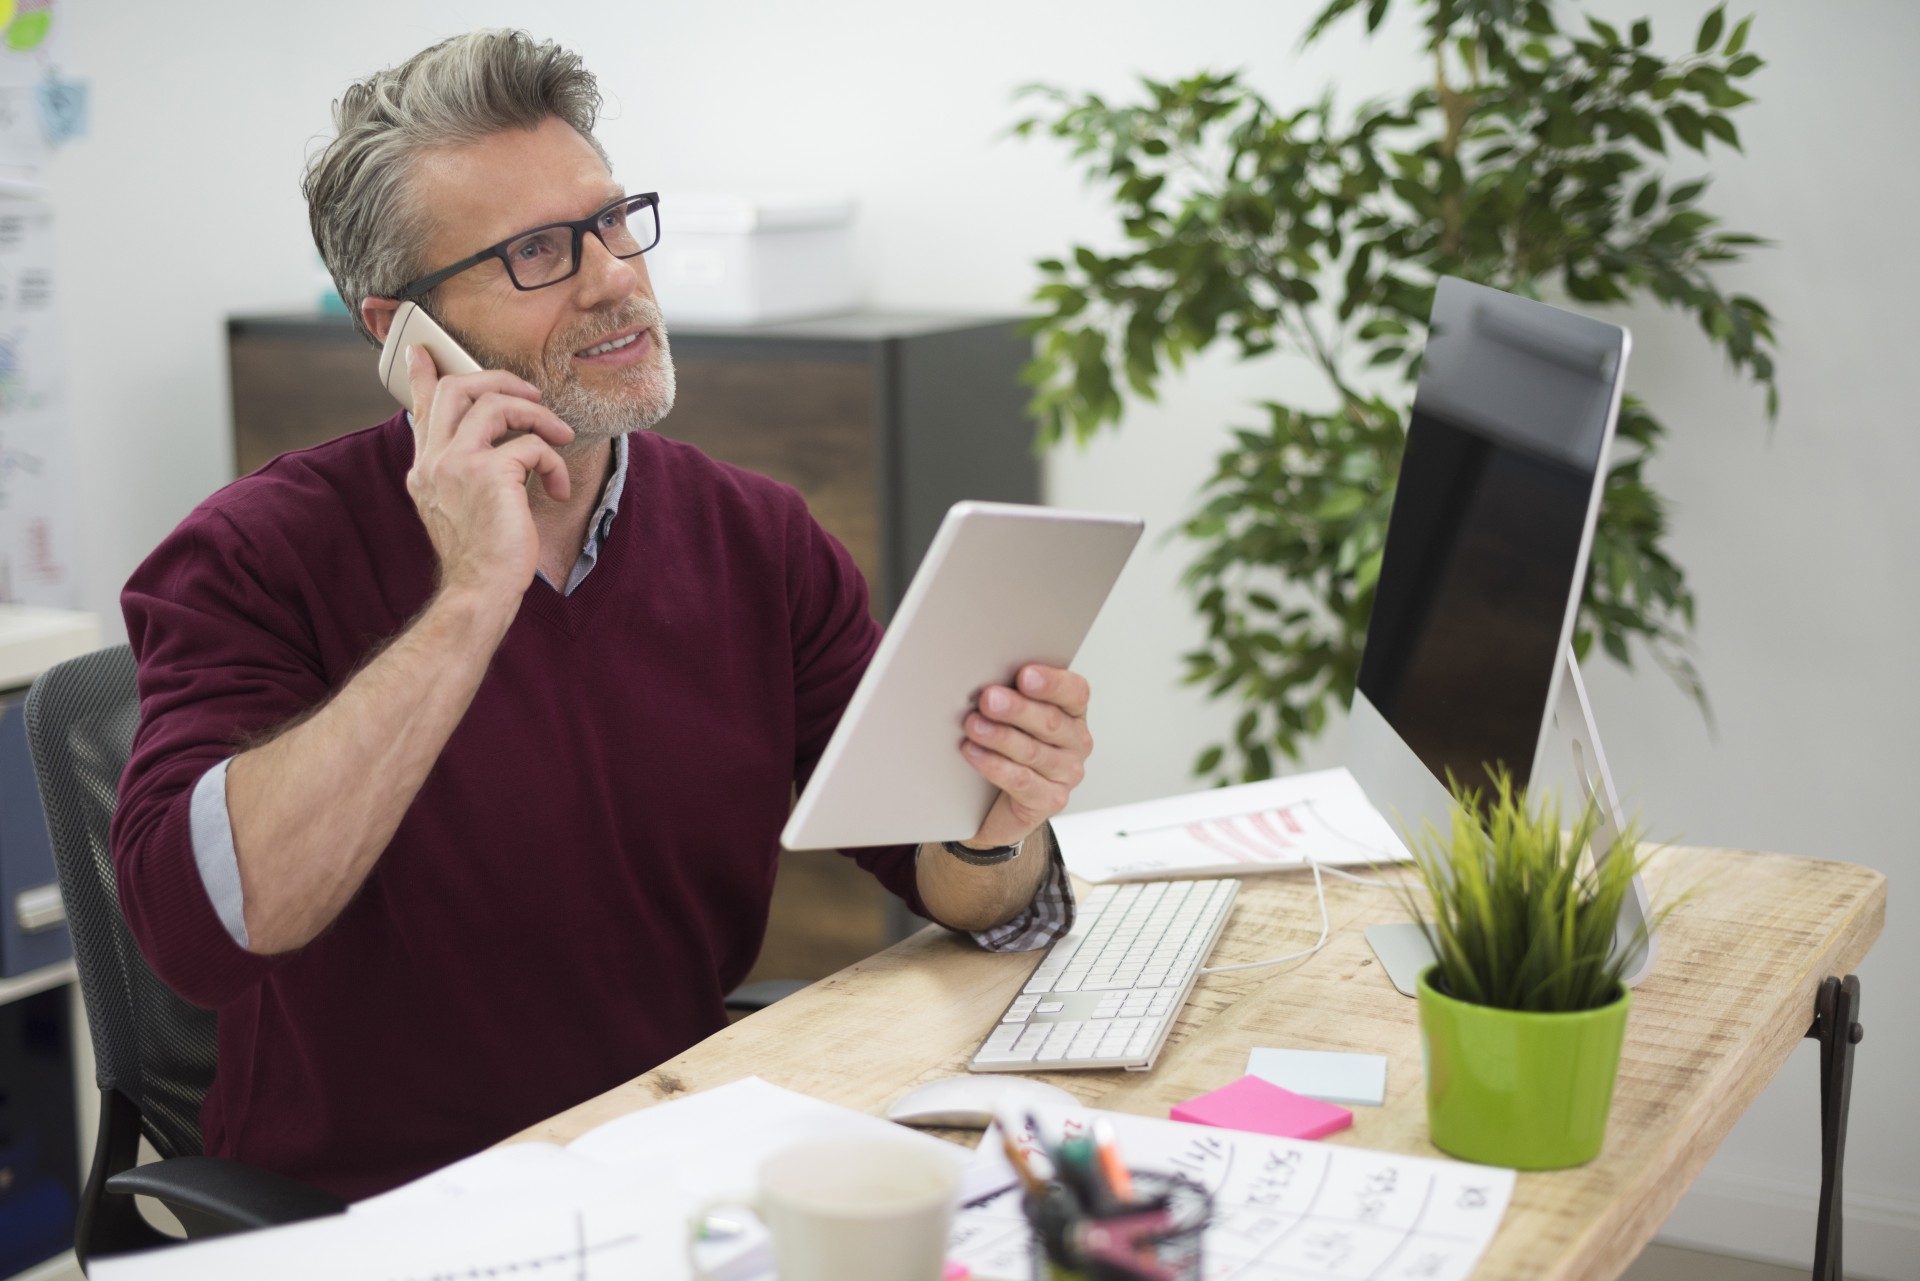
(1111, 1165)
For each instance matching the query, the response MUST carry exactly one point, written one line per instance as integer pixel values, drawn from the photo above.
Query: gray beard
(597, 417)
(644, 397)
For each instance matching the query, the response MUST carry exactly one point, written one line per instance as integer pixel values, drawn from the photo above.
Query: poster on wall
(36, 494)
(37, 520)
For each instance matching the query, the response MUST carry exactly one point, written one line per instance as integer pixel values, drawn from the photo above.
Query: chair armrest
(211, 1195)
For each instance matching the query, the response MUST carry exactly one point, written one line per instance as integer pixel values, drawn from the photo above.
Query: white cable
(1361, 880)
(1320, 891)
(1325, 928)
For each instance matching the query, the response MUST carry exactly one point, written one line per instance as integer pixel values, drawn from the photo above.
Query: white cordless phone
(414, 327)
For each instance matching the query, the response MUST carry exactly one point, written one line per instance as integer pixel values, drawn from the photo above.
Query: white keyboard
(1107, 993)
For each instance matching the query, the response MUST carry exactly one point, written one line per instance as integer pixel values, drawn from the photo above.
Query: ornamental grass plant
(1521, 915)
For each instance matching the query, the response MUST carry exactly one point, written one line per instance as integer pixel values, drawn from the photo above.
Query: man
(466, 739)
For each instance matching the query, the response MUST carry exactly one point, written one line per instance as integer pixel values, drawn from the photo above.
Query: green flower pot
(1514, 1088)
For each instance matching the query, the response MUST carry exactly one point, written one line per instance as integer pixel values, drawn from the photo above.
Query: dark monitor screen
(1478, 579)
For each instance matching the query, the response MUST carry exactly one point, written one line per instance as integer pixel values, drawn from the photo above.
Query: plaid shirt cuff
(1046, 920)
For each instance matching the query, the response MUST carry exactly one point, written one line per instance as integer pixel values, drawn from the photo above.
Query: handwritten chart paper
(529, 1238)
(1283, 1209)
(1227, 831)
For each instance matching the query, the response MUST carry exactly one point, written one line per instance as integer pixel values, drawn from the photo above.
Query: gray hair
(371, 232)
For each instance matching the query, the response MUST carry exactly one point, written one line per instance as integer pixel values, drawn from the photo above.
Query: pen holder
(1155, 1238)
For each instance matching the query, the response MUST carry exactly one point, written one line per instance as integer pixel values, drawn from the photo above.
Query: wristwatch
(989, 857)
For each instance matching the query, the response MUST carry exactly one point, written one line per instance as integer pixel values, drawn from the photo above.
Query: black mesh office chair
(153, 1051)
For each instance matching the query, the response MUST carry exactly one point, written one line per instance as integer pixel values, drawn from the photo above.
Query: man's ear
(377, 315)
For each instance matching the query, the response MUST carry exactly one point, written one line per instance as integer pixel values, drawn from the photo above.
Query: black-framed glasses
(548, 255)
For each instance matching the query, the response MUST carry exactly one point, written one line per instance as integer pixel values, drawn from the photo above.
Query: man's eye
(614, 217)
(528, 250)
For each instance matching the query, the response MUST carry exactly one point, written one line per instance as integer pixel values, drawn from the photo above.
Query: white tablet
(1001, 586)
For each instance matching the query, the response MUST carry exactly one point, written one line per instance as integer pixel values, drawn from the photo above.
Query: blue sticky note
(63, 109)
(1353, 1079)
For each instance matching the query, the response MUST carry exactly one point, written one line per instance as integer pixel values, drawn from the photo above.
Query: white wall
(182, 207)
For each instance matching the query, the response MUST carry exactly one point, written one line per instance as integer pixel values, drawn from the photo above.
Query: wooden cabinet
(881, 421)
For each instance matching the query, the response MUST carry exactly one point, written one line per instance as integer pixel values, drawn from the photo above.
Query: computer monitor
(1468, 651)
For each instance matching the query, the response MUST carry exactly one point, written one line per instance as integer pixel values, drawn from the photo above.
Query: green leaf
(1745, 65)
(1738, 40)
(1710, 29)
(1607, 32)
(1340, 504)
(1644, 128)
(1688, 126)
(1646, 198)
(1687, 191)
(1642, 33)
(1722, 128)
(1209, 760)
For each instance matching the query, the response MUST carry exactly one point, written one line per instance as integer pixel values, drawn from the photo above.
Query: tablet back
(1001, 586)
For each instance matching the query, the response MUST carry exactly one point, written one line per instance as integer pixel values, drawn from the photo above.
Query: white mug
(851, 1209)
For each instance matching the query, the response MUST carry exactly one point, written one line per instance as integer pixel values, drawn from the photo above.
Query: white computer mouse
(970, 1102)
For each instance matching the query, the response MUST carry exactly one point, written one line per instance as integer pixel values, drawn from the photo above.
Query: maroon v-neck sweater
(587, 869)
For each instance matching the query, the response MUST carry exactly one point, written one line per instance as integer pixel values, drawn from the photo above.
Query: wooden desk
(1732, 995)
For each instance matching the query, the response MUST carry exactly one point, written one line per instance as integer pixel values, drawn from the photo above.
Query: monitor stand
(1403, 949)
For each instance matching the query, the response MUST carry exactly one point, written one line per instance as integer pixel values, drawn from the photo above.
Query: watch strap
(982, 858)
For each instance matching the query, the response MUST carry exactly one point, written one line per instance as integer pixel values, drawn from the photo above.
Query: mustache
(594, 328)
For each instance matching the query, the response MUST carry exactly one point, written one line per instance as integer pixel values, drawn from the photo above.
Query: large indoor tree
(1544, 156)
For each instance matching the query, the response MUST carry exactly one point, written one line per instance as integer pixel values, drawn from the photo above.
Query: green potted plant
(1523, 1013)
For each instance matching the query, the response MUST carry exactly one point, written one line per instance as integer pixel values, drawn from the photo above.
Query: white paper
(1231, 831)
(1283, 1209)
(36, 491)
(627, 1190)
(508, 1168)
(530, 1235)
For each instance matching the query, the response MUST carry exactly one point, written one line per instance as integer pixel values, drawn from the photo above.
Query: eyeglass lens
(545, 256)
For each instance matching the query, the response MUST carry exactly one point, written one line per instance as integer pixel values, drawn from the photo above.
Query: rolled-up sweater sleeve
(223, 659)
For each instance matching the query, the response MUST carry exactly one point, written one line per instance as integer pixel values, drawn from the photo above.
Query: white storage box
(743, 260)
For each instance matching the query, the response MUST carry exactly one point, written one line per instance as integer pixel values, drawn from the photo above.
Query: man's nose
(604, 278)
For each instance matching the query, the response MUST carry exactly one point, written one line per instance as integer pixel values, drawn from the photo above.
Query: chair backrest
(148, 1044)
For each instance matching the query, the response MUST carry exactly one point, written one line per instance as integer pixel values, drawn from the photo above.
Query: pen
(1111, 1165)
(1080, 1171)
(1030, 1179)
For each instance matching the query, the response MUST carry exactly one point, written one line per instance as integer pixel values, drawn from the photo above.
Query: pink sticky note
(1264, 1108)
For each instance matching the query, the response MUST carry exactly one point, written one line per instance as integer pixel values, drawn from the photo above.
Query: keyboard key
(1052, 1007)
(1032, 1036)
(986, 1057)
(1002, 1038)
(1038, 983)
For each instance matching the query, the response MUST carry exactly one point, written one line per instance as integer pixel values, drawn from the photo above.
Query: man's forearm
(965, 897)
(313, 809)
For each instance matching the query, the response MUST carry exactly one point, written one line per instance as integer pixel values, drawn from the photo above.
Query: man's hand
(469, 482)
(1032, 743)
